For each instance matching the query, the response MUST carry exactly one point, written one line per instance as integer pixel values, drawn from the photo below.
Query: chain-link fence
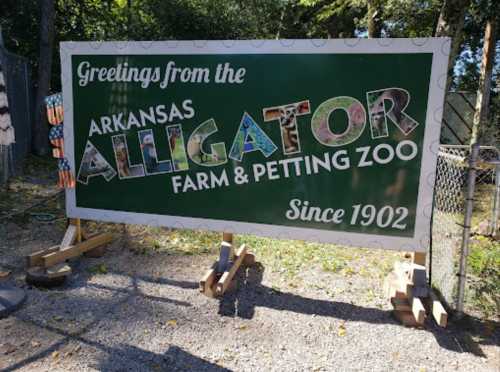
(449, 209)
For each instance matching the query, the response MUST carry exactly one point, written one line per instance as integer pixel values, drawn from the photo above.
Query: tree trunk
(41, 130)
(374, 18)
(483, 91)
(450, 23)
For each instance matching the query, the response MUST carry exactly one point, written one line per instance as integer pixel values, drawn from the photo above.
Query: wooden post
(78, 230)
(418, 258)
(228, 238)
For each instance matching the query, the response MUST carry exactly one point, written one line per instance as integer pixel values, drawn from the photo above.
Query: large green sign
(311, 139)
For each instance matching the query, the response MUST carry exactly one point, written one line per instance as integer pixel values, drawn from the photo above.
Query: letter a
(250, 137)
(93, 164)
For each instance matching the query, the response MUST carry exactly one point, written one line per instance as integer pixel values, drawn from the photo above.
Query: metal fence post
(496, 201)
(469, 205)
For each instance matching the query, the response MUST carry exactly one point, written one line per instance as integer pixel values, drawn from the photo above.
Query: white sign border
(439, 47)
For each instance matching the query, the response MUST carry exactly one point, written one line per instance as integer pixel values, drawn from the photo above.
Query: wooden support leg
(48, 267)
(438, 312)
(419, 258)
(407, 287)
(35, 259)
(77, 223)
(226, 278)
(219, 278)
(227, 237)
(69, 237)
(226, 253)
(207, 281)
(76, 250)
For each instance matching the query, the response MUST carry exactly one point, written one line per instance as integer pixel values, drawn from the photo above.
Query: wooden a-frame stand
(219, 277)
(411, 296)
(48, 266)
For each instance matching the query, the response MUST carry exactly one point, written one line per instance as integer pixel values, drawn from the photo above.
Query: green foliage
(237, 19)
(138, 20)
(408, 18)
(484, 263)
(326, 18)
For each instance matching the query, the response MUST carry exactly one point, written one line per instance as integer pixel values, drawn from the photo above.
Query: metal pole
(469, 205)
(496, 202)
(480, 117)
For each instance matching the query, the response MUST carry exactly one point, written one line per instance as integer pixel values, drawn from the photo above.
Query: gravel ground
(129, 311)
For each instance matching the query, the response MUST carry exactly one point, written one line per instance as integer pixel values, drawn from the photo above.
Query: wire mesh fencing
(449, 208)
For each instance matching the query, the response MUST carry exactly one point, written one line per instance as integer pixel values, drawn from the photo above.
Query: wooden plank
(438, 311)
(400, 304)
(404, 287)
(396, 287)
(75, 250)
(418, 275)
(77, 223)
(419, 258)
(207, 281)
(227, 237)
(69, 237)
(402, 269)
(58, 270)
(421, 291)
(418, 310)
(35, 259)
(406, 318)
(392, 287)
(226, 256)
(227, 276)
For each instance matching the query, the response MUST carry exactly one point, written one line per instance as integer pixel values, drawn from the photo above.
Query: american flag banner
(56, 136)
(58, 153)
(66, 179)
(54, 108)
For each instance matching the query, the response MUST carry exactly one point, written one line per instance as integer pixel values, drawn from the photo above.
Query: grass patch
(484, 275)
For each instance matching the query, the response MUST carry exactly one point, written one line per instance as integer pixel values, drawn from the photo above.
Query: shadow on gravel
(466, 336)
(131, 358)
(251, 293)
(104, 310)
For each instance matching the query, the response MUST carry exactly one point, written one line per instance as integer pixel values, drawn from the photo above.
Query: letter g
(83, 75)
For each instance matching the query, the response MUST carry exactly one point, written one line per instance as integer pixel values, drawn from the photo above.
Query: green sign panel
(330, 141)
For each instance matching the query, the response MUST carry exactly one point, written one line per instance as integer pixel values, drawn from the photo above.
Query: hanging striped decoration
(54, 109)
(56, 136)
(6, 129)
(66, 179)
(7, 137)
